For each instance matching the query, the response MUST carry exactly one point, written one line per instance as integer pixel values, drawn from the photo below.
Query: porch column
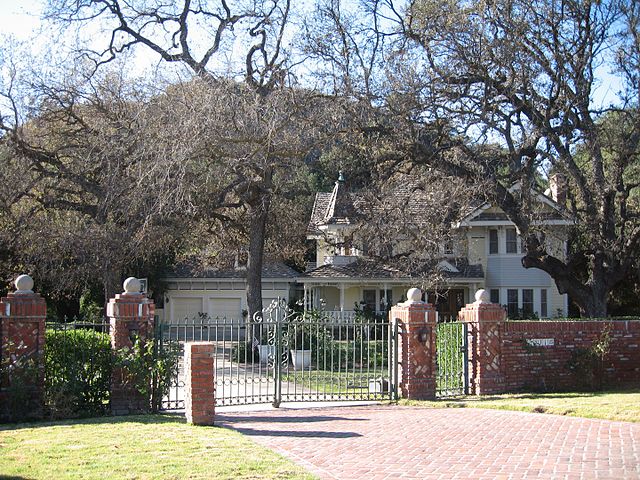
(385, 288)
(342, 297)
(305, 302)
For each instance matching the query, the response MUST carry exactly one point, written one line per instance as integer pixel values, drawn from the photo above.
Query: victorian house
(486, 253)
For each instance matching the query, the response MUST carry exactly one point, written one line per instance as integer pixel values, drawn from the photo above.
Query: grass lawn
(135, 447)
(615, 405)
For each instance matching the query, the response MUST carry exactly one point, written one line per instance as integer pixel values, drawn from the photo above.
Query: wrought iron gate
(286, 356)
(452, 377)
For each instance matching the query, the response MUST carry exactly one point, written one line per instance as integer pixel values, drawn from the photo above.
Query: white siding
(508, 271)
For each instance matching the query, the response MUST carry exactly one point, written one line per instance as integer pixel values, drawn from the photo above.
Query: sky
(21, 19)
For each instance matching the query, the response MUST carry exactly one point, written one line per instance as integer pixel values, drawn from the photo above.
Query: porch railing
(338, 316)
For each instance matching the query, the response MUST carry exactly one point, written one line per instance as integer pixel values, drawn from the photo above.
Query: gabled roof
(364, 268)
(479, 215)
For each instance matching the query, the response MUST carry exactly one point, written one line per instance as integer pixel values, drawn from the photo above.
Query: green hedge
(78, 366)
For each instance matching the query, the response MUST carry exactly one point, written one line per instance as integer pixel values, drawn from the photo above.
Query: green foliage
(78, 366)
(90, 310)
(17, 374)
(148, 369)
(366, 316)
(588, 363)
(341, 346)
(360, 353)
(243, 352)
(307, 336)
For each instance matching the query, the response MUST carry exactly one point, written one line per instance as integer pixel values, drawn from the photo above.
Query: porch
(341, 301)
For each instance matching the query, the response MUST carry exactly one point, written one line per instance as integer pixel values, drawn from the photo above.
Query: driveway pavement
(391, 442)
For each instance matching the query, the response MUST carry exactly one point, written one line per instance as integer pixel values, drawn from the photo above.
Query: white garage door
(186, 307)
(228, 308)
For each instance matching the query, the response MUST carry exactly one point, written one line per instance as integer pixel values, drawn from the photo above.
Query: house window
(512, 241)
(493, 241)
(386, 299)
(544, 308)
(512, 303)
(448, 247)
(495, 295)
(369, 300)
(527, 302)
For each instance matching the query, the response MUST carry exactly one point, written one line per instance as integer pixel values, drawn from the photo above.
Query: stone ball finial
(482, 296)
(24, 284)
(131, 285)
(414, 295)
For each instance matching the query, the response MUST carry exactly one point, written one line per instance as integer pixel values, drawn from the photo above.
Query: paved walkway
(390, 442)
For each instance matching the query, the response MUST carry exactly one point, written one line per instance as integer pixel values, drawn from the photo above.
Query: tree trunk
(591, 298)
(109, 285)
(595, 304)
(257, 230)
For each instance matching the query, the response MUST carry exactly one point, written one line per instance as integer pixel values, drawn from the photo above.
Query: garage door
(185, 308)
(228, 308)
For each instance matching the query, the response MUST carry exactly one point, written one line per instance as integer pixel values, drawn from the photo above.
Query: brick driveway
(388, 442)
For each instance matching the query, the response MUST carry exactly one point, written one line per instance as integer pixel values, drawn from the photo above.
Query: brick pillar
(199, 383)
(131, 315)
(22, 338)
(485, 344)
(417, 349)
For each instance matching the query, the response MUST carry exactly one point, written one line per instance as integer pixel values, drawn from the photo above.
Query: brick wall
(536, 355)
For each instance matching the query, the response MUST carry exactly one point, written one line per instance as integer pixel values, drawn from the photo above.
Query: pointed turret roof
(335, 207)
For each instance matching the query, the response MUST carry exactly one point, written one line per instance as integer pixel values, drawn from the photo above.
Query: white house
(486, 255)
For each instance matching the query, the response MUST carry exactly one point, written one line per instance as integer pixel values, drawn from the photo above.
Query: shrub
(148, 369)
(244, 352)
(359, 353)
(78, 366)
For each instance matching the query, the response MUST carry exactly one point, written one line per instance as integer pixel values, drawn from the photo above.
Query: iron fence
(282, 355)
(451, 358)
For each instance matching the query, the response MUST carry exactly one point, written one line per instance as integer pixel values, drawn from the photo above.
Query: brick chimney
(558, 188)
